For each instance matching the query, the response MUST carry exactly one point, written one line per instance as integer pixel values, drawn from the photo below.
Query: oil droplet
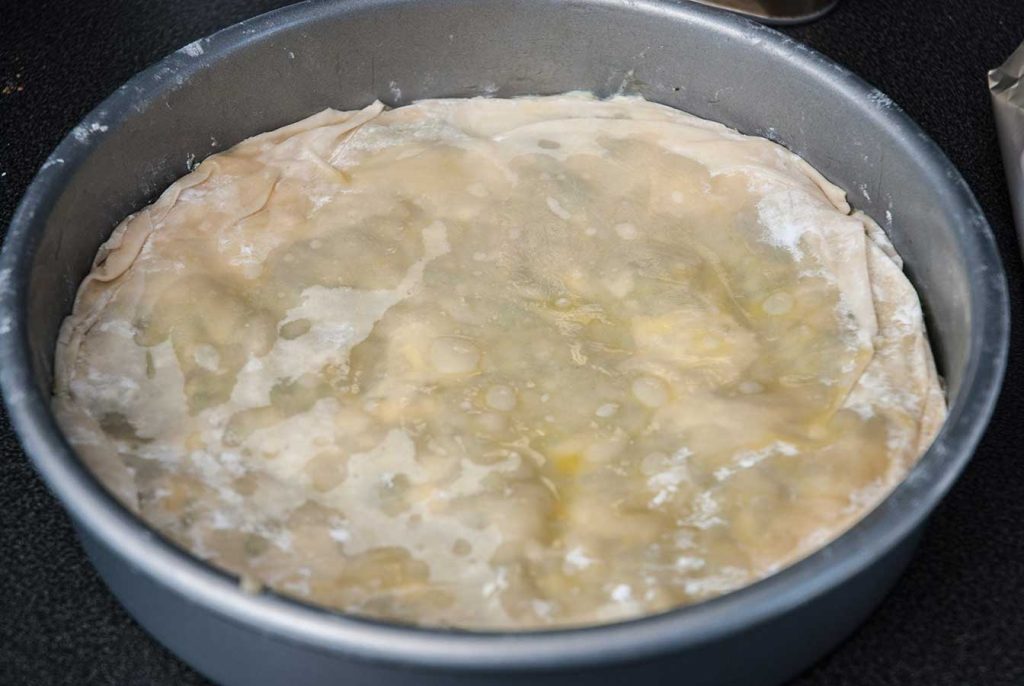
(557, 209)
(650, 391)
(492, 422)
(627, 232)
(622, 593)
(207, 357)
(295, 328)
(620, 285)
(454, 356)
(750, 387)
(325, 471)
(653, 463)
(777, 303)
(501, 398)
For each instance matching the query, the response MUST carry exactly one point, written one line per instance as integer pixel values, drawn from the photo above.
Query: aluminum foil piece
(1007, 86)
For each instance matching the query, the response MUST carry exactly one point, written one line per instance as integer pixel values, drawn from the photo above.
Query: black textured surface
(956, 618)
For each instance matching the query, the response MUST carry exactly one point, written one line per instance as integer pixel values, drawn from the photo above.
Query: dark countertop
(956, 617)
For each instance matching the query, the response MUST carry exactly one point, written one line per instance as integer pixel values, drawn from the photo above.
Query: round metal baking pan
(282, 66)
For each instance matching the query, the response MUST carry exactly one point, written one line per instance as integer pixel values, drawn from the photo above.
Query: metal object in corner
(776, 12)
(1006, 84)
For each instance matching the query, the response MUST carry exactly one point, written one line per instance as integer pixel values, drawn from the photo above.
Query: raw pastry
(499, 363)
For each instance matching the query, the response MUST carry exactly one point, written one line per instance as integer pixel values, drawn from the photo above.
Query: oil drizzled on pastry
(499, 363)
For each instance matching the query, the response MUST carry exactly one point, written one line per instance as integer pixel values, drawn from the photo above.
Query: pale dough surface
(499, 363)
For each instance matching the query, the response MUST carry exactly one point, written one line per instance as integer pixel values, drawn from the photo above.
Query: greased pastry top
(499, 363)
